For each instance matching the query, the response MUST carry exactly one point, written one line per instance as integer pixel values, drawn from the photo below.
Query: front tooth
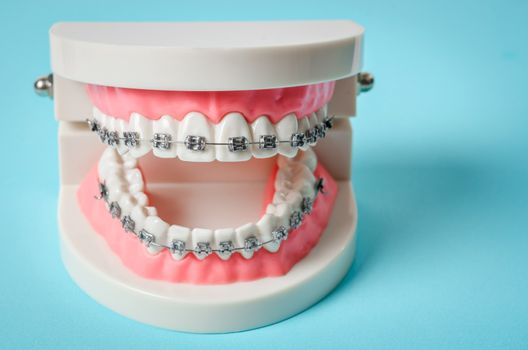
(196, 124)
(158, 228)
(304, 125)
(248, 237)
(225, 240)
(202, 240)
(266, 225)
(179, 239)
(285, 128)
(262, 127)
(233, 125)
(143, 127)
(166, 128)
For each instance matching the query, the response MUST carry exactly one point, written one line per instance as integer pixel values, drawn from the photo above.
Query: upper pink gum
(211, 270)
(153, 104)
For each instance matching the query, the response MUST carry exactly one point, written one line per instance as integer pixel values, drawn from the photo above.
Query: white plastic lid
(206, 55)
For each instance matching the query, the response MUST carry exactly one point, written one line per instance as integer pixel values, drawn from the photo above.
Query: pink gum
(153, 104)
(211, 270)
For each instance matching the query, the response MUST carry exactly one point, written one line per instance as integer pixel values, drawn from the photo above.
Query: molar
(232, 125)
(195, 124)
(127, 203)
(308, 158)
(135, 180)
(141, 198)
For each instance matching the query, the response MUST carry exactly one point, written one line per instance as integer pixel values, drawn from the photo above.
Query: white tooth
(129, 162)
(304, 124)
(321, 113)
(116, 187)
(285, 128)
(202, 236)
(141, 198)
(224, 235)
(262, 126)
(270, 209)
(143, 127)
(121, 126)
(135, 180)
(284, 162)
(98, 115)
(110, 162)
(166, 125)
(283, 180)
(139, 214)
(308, 158)
(156, 226)
(294, 200)
(196, 124)
(152, 211)
(232, 125)
(266, 225)
(279, 197)
(305, 187)
(313, 123)
(127, 203)
(282, 213)
(245, 232)
(179, 233)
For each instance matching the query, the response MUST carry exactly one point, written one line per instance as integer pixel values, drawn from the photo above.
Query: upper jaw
(197, 139)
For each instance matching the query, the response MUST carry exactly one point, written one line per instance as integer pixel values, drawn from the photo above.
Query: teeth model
(216, 195)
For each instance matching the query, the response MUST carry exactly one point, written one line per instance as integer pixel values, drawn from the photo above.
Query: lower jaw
(211, 270)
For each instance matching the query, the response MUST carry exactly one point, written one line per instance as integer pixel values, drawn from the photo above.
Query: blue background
(440, 170)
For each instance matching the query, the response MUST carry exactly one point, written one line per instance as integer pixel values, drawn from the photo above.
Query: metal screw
(365, 81)
(43, 86)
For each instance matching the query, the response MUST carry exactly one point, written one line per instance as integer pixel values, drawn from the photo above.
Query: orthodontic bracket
(204, 249)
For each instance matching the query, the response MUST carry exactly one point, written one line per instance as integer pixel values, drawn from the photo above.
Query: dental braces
(204, 249)
(164, 141)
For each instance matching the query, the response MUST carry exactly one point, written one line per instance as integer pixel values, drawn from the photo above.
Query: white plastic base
(207, 309)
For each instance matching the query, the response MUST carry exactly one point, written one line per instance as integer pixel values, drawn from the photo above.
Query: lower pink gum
(211, 270)
(153, 104)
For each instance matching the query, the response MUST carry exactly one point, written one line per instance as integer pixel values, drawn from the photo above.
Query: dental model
(205, 167)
